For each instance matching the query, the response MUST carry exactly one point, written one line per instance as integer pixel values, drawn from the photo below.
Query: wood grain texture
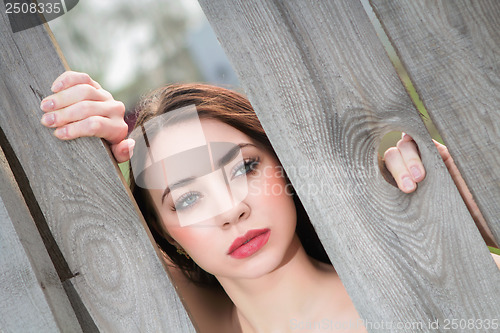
(451, 50)
(32, 298)
(117, 273)
(326, 93)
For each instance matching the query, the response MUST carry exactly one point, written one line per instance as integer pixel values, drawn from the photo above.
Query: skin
(259, 209)
(80, 107)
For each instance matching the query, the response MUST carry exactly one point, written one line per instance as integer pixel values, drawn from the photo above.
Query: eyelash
(250, 163)
(184, 197)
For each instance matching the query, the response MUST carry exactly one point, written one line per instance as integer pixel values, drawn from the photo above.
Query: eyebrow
(175, 185)
(228, 157)
(231, 154)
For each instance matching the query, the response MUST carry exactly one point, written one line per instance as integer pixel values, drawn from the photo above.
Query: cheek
(272, 192)
(195, 240)
(183, 235)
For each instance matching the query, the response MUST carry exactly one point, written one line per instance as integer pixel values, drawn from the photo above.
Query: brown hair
(235, 110)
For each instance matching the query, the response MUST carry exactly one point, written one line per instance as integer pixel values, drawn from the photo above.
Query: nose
(239, 212)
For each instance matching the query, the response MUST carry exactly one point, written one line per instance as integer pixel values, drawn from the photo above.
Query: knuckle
(120, 134)
(72, 74)
(94, 125)
(59, 119)
(63, 75)
(85, 78)
(414, 162)
(64, 81)
(119, 108)
(68, 74)
(87, 91)
(69, 79)
(106, 94)
(67, 132)
(84, 109)
(124, 129)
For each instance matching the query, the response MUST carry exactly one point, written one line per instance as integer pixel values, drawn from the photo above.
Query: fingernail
(61, 132)
(57, 86)
(48, 119)
(47, 105)
(408, 184)
(415, 172)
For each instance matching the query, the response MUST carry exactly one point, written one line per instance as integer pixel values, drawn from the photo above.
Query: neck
(295, 288)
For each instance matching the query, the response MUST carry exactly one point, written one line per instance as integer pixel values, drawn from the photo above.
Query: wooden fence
(74, 253)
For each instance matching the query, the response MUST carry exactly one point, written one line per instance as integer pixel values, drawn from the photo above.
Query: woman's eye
(245, 168)
(187, 200)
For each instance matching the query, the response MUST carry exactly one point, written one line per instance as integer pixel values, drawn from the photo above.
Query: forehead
(189, 134)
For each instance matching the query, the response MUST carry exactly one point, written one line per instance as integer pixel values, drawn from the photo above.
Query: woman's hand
(404, 164)
(80, 107)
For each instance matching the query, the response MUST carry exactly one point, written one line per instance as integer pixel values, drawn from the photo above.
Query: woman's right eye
(186, 201)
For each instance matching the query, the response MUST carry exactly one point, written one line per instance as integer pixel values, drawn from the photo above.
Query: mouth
(249, 243)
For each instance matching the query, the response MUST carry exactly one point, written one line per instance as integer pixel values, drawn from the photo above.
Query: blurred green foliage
(133, 47)
(129, 47)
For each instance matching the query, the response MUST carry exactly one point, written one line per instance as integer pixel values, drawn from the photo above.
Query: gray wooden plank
(93, 219)
(451, 50)
(326, 93)
(32, 298)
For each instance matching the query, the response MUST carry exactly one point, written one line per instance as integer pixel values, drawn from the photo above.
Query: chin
(264, 263)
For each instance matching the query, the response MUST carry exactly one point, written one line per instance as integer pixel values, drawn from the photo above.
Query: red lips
(249, 243)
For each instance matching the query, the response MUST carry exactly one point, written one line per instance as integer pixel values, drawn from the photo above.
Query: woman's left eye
(244, 168)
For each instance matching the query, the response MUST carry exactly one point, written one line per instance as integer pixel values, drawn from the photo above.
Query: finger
(406, 137)
(123, 151)
(84, 109)
(397, 167)
(466, 194)
(70, 78)
(73, 95)
(411, 158)
(450, 165)
(443, 151)
(102, 127)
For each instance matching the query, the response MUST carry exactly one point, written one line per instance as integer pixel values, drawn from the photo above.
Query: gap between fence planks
(451, 50)
(97, 227)
(326, 93)
(32, 298)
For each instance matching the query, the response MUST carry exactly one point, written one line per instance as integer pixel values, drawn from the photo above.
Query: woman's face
(246, 238)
